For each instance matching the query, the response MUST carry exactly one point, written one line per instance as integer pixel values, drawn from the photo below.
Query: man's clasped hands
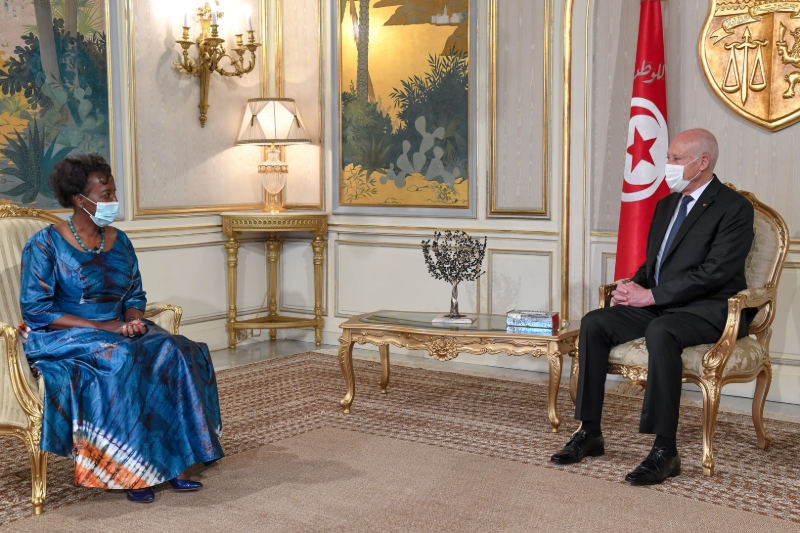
(632, 294)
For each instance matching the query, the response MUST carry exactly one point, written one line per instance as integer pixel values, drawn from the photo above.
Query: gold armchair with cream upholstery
(21, 393)
(711, 366)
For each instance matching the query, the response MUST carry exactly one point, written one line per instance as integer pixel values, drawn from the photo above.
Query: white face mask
(105, 213)
(674, 177)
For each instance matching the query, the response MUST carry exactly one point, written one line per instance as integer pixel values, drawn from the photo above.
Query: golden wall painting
(405, 106)
(750, 51)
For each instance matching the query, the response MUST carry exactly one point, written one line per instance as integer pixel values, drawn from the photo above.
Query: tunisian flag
(648, 140)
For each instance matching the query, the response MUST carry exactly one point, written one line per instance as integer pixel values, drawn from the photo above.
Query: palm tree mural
(71, 17)
(53, 94)
(47, 41)
(362, 83)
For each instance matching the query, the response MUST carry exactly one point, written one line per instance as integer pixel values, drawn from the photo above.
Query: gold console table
(488, 334)
(233, 224)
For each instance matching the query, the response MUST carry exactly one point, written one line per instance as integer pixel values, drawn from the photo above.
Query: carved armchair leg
(711, 397)
(763, 382)
(38, 475)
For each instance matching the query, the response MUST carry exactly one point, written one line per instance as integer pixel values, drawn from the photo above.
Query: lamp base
(272, 205)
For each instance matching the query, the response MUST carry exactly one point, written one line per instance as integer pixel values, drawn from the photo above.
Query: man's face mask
(674, 176)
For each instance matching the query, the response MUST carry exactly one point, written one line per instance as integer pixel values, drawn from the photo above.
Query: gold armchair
(21, 394)
(729, 360)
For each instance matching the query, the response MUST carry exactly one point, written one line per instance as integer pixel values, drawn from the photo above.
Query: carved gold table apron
(444, 342)
(235, 223)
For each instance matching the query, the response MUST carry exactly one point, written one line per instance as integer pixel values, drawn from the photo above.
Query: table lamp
(272, 122)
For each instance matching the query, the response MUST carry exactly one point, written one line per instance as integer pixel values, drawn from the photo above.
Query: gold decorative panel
(301, 73)
(179, 166)
(520, 164)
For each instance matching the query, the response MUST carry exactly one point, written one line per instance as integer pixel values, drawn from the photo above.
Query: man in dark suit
(698, 242)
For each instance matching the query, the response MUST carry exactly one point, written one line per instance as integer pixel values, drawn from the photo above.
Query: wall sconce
(271, 122)
(211, 52)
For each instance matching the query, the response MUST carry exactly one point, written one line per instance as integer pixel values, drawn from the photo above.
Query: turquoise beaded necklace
(78, 238)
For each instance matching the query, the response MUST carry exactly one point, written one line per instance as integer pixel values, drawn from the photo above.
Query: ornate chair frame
(28, 391)
(713, 376)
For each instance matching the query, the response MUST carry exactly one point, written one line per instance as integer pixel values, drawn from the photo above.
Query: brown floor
(273, 402)
(346, 481)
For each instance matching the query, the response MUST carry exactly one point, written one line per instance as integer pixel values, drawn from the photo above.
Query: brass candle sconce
(211, 51)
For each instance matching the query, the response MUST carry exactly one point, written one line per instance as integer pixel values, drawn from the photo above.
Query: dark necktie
(682, 210)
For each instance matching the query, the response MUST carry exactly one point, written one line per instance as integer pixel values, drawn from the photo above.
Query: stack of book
(532, 322)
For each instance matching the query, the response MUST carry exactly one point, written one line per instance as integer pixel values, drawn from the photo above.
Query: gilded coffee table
(488, 334)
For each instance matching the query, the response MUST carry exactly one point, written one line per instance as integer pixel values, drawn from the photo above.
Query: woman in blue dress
(130, 403)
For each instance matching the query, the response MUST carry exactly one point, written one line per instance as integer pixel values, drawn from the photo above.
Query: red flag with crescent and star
(643, 185)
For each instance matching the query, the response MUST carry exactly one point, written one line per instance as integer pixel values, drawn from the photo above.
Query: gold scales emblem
(749, 62)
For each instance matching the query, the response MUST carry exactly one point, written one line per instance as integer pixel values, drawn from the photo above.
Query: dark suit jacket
(705, 264)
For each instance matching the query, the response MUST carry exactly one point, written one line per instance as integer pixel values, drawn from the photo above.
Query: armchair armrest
(165, 315)
(606, 290)
(20, 394)
(715, 358)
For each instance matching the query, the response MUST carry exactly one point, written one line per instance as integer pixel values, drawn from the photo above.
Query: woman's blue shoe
(141, 495)
(184, 485)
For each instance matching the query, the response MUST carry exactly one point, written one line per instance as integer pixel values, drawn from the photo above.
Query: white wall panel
(371, 276)
(195, 277)
(180, 164)
(520, 141)
(785, 341)
(520, 279)
(301, 72)
(296, 279)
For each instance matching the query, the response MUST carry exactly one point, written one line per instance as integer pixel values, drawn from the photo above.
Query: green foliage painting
(405, 103)
(53, 92)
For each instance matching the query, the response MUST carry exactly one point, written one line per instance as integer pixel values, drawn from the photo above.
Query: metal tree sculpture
(455, 259)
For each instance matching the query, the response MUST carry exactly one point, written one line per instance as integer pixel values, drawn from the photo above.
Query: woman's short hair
(71, 175)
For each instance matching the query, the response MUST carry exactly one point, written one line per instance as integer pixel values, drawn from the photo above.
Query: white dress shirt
(694, 195)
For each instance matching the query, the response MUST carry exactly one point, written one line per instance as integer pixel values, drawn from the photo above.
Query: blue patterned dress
(131, 412)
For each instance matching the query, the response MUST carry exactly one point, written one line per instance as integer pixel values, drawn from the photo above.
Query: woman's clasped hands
(131, 328)
(134, 328)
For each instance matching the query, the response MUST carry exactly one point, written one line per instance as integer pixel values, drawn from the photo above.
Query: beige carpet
(345, 481)
(440, 452)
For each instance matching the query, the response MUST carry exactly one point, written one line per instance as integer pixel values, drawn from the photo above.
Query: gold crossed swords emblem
(749, 62)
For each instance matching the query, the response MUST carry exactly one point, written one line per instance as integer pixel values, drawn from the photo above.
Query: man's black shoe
(655, 469)
(578, 447)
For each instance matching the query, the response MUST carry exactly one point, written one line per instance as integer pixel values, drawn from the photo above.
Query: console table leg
(554, 357)
(274, 245)
(232, 248)
(346, 362)
(384, 367)
(318, 248)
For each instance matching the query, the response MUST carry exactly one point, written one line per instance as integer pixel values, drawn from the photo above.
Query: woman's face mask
(105, 213)
(674, 176)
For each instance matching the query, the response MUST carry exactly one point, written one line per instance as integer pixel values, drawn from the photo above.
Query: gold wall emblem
(750, 52)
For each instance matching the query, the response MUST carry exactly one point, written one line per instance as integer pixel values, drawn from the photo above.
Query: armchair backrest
(17, 225)
(766, 258)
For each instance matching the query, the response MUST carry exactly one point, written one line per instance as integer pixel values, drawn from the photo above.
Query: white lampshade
(271, 121)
